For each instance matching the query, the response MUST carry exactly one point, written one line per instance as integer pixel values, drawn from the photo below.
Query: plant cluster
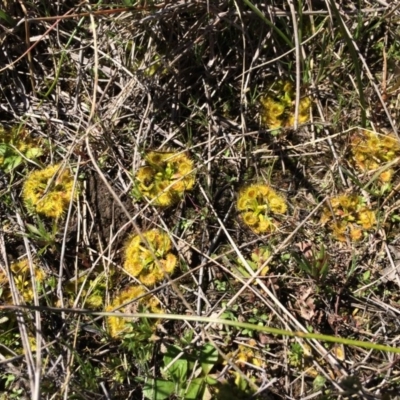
(185, 376)
(257, 260)
(117, 325)
(300, 356)
(256, 204)
(156, 66)
(245, 356)
(314, 262)
(372, 151)
(165, 178)
(49, 191)
(17, 145)
(172, 82)
(348, 216)
(148, 257)
(91, 288)
(278, 108)
(22, 279)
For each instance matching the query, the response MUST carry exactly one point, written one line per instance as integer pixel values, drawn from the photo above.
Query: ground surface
(96, 87)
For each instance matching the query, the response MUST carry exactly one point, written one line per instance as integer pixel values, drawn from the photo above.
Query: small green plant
(300, 357)
(141, 338)
(148, 256)
(246, 356)
(187, 376)
(348, 216)
(165, 178)
(49, 191)
(117, 326)
(155, 66)
(17, 146)
(43, 237)
(314, 262)
(257, 205)
(91, 288)
(257, 260)
(278, 106)
(22, 279)
(371, 151)
(259, 256)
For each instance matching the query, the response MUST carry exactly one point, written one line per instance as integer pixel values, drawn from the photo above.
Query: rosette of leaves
(348, 216)
(49, 191)
(245, 357)
(278, 106)
(118, 325)
(154, 66)
(165, 178)
(247, 354)
(148, 257)
(185, 375)
(91, 288)
(372, 151)
(257, 205)
(257, 260)
(21, 272)
(16, 146)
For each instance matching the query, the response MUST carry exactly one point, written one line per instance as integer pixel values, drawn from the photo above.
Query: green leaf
(240, 382)
(303, 263)
(33, 230)
(366, 276)
(33, 153)
(12, 162)
(3, 149)
(209, 380)
(158, 389)
(319, 383)
(7, 19)
(178, 370)
(208, 358)
(195, 389)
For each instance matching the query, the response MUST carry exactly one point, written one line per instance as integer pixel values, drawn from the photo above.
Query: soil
(108, 215)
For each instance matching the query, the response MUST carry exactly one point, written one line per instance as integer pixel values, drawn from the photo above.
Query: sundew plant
(208, 194)
(18, 146)
(165, 178)
(148, 257)
(348, 217)
(259, 205)
(49, 191)
(126, 301)
(373, 152)
(277, 106)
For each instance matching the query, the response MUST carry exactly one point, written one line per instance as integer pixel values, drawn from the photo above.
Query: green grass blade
(268, 22)
(355, 59)
(7, 19)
